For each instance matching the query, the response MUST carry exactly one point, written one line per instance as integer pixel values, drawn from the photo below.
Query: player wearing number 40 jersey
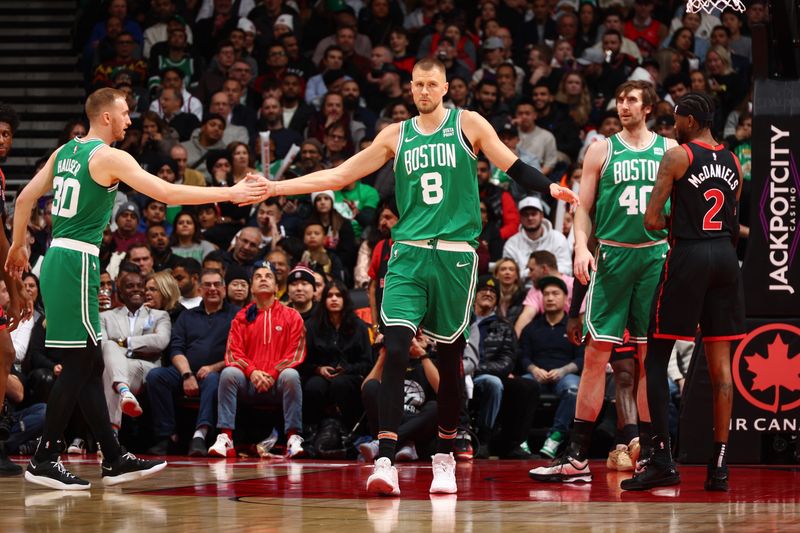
(618, 176)
(432, 270)
(84, 174)
(701, 282)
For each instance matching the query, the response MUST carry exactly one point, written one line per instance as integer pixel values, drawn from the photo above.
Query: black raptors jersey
(704, 199)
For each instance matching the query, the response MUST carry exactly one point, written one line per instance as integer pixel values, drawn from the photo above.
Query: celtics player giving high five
(433, 266)
(84, 174)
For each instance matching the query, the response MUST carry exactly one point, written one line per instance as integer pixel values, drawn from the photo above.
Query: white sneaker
(406, 454)
(294, 447)
(129, 404)
(223, 447)
(368, 450)
(383, 480)
(77, 447)
(444, 474)
(564, 470)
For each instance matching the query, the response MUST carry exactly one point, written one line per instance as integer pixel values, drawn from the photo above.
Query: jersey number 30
(635, 199)
(65, 196)
(432, 192)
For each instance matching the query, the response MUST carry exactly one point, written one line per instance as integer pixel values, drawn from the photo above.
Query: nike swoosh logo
(409, 139)
(459, 265)
(107, 468)
(617, 152)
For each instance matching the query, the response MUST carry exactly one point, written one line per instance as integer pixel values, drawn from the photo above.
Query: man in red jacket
(267, 340)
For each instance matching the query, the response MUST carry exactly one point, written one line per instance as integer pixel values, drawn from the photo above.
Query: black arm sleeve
(531, 179)
(579, 291)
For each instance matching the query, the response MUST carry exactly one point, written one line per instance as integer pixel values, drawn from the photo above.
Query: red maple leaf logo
(776, 370)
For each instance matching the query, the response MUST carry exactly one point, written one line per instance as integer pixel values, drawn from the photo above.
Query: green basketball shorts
(621, 291)
(70, 281)
(431, 284)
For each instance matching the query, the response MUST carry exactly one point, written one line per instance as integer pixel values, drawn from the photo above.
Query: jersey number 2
(432, 192)
(719, 200)
(65, 196)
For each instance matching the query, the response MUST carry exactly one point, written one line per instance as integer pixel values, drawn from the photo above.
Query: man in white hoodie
(536, 233)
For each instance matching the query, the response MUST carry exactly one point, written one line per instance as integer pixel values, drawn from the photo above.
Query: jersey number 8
(432, 192)
(65, 196)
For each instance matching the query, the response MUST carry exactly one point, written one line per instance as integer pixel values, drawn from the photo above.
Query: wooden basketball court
(258, 495)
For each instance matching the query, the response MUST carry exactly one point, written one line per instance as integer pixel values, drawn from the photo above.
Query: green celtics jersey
(436, 184)
(626, 181)
(81, 206)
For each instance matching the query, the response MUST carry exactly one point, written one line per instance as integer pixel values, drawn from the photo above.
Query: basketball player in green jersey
(433, 266)
(618, 176)
(84, 174)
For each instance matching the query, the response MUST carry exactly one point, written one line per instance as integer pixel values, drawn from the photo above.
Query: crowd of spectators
(278, 304)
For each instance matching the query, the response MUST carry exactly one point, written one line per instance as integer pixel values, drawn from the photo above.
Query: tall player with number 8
(618, 177)
(433, 265)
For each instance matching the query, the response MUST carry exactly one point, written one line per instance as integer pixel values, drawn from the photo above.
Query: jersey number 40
(65, 196)
(634, 199)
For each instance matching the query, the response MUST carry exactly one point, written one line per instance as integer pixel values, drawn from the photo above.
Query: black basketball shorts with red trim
(701, 284)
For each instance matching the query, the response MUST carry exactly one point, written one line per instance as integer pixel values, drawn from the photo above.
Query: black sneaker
(129, 468)
(717, 478)
(160, 448)
(52, 474)
(462, 448)
(7, 466)
(6, 423)
(198, 447)
(651, 474)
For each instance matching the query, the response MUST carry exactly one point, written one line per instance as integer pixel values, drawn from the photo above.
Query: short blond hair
(430, 63)
(168, 287)
(100, 100)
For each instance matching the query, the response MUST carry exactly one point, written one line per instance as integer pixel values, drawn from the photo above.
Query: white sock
(200, 432)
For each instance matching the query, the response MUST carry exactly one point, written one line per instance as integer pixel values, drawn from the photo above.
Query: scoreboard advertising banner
(766, 363)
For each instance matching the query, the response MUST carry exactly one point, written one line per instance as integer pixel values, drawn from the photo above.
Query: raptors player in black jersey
(20, 306)
(700, 283)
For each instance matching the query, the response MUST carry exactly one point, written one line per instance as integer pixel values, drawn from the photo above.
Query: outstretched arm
(673, 166)
(483, 138)
(110, 164)
(16, 261)
(362, 164)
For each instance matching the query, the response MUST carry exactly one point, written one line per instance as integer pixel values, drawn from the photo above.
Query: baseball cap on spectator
(331, 76)
(179, 19)
(531, 201)
(642, 74)
(493, 43)
(313, 142)
(285, 20)
(487, 281)
(235, 272)
(247, 26)
(301, 273)
(508, 130)
(128, 207)
(591, 56)
(337, 6)
(215, 155)
(665, 120)
(569, 4)
(315, 195)
(159, 161)
(551, 280)
(213, 116)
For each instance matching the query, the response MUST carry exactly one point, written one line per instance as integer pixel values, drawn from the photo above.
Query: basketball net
(695, 6)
